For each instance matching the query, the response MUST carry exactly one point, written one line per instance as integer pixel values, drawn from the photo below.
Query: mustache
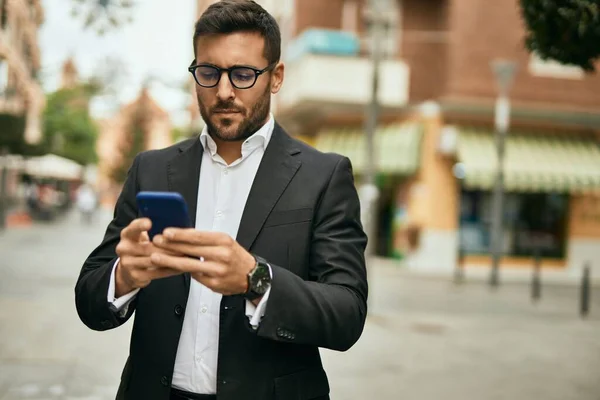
(221, 107)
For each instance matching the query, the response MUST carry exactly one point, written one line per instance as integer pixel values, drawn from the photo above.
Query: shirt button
(225, 171)
(199, 359)
(219, 213)
(204, 309)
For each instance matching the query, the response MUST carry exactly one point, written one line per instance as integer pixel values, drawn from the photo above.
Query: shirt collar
(261, 137)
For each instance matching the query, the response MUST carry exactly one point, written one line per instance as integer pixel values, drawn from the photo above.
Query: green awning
(397, 147)
(533, 163)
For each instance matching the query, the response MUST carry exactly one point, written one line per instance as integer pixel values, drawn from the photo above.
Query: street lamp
(504, 72)
(375, 16)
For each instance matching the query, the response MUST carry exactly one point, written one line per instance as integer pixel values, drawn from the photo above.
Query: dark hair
(229, 16)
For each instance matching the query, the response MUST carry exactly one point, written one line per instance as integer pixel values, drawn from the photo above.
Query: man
(274, 269)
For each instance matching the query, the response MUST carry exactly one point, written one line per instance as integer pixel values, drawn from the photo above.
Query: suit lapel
(183, 174)
(276, 170)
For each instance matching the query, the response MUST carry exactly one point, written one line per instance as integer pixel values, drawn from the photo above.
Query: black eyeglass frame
(257, 72)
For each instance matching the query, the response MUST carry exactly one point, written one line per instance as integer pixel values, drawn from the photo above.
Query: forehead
(229, 49)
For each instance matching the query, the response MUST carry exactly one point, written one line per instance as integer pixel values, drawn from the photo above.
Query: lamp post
(368, 192)
(504, 72)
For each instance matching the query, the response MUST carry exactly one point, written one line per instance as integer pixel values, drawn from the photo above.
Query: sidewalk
(425, 339)
(481, 274)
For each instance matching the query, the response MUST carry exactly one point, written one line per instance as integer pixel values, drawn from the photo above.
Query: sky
(156, 43)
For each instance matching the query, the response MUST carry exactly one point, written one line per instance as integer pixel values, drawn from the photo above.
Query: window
(531, 220)
(391, 43)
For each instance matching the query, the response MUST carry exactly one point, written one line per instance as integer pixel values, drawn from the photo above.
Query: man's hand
(213, 259)
(135, 269)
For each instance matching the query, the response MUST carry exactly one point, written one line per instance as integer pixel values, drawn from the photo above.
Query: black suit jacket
(302, 215)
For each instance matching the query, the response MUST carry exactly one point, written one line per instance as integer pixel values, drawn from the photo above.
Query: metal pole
(459, 272)
(536, 282)
(3, 179)
(504, 72)
(585, 291)
(369, 192)
(498, 204)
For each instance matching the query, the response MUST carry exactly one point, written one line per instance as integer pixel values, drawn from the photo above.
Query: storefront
(397, 149)
(543, 173)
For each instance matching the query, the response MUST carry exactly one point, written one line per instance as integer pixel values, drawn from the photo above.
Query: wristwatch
(259, 279)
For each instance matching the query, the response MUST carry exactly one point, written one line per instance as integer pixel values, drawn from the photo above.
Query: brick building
(114, 131)
(20, 92)
(437, 96)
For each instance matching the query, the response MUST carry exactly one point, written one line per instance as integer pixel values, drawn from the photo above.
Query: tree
(68, 129)
(567, 31)
(103, 15)
(133, 143)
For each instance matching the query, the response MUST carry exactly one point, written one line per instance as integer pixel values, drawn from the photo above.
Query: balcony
(325, 75)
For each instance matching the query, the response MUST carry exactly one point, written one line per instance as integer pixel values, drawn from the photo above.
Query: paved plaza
(425, 339)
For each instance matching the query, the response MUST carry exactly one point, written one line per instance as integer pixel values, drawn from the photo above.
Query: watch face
(261, 279)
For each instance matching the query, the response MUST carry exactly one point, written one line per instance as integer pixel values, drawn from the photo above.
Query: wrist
(121, 285)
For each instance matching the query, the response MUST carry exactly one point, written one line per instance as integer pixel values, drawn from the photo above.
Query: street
(425, 338)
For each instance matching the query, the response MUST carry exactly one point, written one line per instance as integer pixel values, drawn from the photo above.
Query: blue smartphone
(164, 209)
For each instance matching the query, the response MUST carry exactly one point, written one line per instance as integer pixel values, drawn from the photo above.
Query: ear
(277, 77)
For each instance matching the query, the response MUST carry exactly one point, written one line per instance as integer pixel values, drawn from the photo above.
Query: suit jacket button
(164, 381)
(280, 332)
(178, 310)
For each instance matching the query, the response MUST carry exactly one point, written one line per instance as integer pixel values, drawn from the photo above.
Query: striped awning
(397, 147)
(533, 163)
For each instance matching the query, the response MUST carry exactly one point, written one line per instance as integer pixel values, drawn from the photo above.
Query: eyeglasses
(241, 77)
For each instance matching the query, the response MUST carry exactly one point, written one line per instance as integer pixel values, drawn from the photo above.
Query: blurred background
(473, 127)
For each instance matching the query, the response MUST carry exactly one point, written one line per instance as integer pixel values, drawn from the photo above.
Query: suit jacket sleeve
(330, 309)
(92, 285)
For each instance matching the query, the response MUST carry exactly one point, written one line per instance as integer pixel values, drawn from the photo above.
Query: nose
(225, 90)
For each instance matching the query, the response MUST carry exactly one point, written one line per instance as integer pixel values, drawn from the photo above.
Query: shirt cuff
(255, 313)
(120, 305)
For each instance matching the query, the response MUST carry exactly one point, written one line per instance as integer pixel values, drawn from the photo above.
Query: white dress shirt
(222, 193)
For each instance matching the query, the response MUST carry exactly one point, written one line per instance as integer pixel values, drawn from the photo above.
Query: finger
(185, 264)
(138, 263)
(193, 236)
(216, 253)
(144, 238)
(130, 248)
(159, 273)
(135, 228)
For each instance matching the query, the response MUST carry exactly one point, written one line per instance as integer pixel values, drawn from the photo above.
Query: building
(114, 132)
(437, 95)
(21, 95)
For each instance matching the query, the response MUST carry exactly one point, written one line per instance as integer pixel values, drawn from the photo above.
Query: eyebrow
(233, 66)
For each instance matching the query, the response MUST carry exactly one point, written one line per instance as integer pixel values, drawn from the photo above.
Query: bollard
(459, 271)
(585, 291)
(536, 281)
(3, 179)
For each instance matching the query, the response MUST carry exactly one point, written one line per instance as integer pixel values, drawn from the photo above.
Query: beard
(252, 120)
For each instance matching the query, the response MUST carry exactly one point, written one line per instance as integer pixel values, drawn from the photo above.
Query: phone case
(164, 209)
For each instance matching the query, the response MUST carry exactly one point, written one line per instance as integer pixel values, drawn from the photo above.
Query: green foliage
(133, 144)
(181, 133)
(12, 136)
(567, 31)
(68, 129)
